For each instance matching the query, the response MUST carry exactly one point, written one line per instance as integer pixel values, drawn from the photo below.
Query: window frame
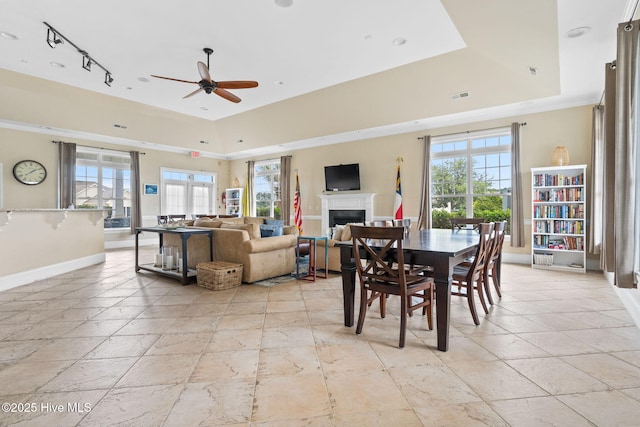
(468, 153)
(277, 171)
(101, 164)
(189, 184)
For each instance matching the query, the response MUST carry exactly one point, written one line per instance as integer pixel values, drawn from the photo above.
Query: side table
(312, 272)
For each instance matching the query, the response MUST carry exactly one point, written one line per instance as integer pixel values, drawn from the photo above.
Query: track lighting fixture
(54, 38)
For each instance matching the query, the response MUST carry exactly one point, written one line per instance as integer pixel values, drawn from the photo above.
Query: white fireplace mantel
(347, 201)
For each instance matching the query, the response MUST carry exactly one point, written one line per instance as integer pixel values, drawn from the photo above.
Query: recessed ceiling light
(399, 41)
(8, 36)
(368, 37)
(127, 88)
(55, 64)
(283, 3)
(577, 32)
(278, 83)
(204, 108)
(239, 141)
(143, 79)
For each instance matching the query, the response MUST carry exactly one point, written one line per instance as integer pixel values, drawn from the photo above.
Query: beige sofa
(238, 240)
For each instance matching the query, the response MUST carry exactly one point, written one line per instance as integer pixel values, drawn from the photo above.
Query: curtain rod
(100, 148)
(470, 131)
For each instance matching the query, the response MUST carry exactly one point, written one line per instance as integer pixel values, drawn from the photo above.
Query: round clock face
(29, 172)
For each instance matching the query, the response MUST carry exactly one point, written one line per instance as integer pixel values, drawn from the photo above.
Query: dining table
(441, 249)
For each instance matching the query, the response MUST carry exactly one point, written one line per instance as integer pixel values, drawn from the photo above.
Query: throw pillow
(274, 222)
(337, 232)
(346, 234)
(270, 230)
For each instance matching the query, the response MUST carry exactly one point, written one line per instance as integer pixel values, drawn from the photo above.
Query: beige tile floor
(104, 346)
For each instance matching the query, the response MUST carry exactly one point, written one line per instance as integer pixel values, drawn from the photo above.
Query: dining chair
(174, 218)
(458, 224)
(372, 249)
(469, 277)
(492, 266)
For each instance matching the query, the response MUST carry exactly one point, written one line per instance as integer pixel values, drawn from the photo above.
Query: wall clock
(29, 172)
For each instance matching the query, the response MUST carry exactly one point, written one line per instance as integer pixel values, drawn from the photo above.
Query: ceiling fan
(207, 85)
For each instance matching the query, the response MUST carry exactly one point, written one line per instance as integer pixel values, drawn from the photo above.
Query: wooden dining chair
(468, 278)
(492, 266)
(372, 249)
(458, 224)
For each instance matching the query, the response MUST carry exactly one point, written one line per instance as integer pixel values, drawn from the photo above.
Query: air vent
(460, 95)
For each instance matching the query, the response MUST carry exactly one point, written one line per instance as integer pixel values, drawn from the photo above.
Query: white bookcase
(234, 201)
(558, 218)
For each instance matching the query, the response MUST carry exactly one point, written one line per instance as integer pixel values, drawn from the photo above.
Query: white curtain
(517, 204)
(424, 216)
(626, 199)
(597, 181)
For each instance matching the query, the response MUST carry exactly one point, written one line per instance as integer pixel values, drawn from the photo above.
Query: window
(187, 192)
(103, 181)
(471, 177)
(267, 189)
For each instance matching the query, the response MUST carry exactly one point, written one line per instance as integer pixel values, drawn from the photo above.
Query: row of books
(558, 211)
(554, 180)
(554, 226)
(566, 243)
(559, 195)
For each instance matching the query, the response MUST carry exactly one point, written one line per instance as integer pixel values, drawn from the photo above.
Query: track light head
(86, 62)
(108, 79)
(53, 39)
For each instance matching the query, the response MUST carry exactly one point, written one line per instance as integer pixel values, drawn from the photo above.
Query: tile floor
(103, 346)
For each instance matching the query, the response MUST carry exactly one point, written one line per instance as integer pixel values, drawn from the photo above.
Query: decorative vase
(560, 156)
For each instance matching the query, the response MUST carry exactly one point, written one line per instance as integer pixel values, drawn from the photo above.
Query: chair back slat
(483, 252)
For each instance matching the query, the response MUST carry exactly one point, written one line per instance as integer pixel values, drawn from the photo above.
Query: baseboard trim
(30, 276)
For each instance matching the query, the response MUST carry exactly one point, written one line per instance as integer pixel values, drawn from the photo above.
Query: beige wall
(377, 158)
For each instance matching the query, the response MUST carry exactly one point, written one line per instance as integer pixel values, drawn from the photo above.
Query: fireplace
(346, 216)
(346, 207)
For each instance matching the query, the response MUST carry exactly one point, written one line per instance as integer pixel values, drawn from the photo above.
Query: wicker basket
(542, 259)
(219, 275)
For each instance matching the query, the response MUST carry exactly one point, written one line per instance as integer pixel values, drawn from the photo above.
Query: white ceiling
(304, 49)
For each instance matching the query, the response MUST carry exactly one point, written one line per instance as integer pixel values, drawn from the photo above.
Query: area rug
(304, 268)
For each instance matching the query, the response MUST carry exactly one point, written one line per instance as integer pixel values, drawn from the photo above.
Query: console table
(186, 275)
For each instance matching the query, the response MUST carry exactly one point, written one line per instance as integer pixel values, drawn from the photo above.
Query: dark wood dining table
(441, 249)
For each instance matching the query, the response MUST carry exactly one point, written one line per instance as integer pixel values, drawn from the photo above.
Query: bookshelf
(234, 201)
(558, 218)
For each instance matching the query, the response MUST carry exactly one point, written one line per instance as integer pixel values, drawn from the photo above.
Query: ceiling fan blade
(204, 71)
(193, 93)
(226, 95)
(175, 80)
(237, 84)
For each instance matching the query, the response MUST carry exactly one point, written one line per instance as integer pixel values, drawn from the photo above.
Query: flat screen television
(342, 177)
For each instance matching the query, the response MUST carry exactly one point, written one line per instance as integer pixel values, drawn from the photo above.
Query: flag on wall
(297, 208)
(397, 204)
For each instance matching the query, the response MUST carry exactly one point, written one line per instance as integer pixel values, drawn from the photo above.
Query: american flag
(397, 204)
(297, 208)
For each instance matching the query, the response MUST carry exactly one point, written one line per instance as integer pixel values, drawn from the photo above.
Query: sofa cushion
(252, 229)
(253, 220)
(346, 233)
(274, 222)
(207, 222)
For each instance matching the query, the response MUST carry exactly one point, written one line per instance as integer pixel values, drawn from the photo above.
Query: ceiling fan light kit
(208, 85)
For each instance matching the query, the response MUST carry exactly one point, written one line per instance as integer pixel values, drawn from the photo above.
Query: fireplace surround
(348, 207)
